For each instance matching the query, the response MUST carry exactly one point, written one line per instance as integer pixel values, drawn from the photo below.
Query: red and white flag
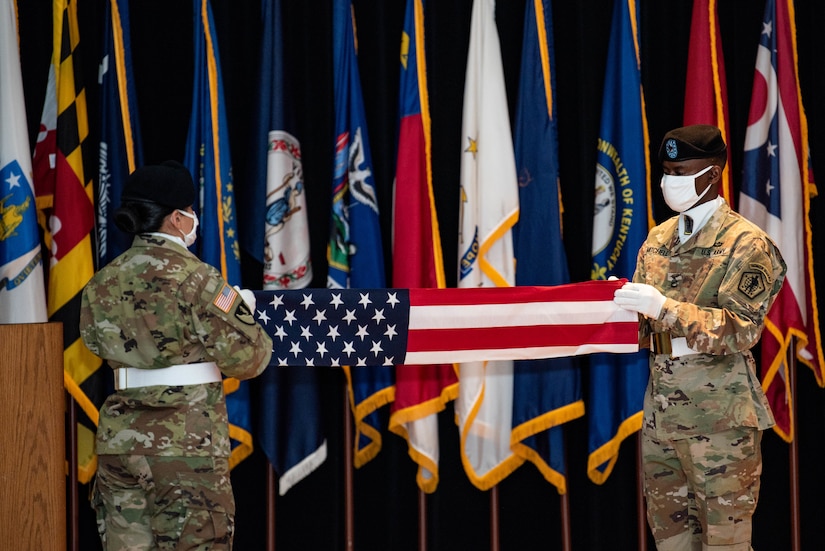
(776, 191)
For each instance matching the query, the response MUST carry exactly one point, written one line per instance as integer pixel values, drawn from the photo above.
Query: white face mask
(680, 191)
(189, 238)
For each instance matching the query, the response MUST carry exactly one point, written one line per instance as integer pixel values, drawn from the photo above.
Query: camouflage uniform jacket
(155, 306)
(718, 285)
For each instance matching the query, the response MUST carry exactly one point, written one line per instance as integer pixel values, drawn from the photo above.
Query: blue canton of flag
(326, 327)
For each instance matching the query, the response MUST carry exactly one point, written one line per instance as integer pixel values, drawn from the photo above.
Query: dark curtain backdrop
(310, 516)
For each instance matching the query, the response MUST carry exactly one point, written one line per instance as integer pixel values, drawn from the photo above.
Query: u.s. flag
(776, 189)
(362, 327)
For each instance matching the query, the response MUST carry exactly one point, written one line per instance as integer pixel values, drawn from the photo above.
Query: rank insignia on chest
(675, 279)
(751, 284)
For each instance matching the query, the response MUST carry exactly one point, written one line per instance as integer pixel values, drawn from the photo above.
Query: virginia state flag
(120, 144)
(546, 393)
(489, 209)
(776, 192)
(22, 291)
(355, 254)
(275, 228)
(207, 158)
(424, 390)
(277, 234)
(64, 201)
(620, 225)
(706, 89)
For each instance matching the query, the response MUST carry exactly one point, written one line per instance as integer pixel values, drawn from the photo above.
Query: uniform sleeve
(227, 328)
(754, 275)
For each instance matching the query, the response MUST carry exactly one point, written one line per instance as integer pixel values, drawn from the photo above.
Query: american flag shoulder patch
(225, 298)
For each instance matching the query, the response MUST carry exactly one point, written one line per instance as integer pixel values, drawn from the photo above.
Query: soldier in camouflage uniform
(170, 326)
(704, 282)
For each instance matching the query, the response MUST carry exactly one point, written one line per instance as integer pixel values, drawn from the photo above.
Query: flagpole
(494, 519)
(349, 514)
(74, 520)
(422, 521)
(793, 450)
(564, 504)
(641, 516)
(270, 507)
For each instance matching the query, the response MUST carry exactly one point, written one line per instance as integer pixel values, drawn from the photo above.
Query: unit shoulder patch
(752, 284)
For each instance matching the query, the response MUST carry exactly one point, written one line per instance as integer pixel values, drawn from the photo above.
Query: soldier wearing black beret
(703, 284)
(171, 328)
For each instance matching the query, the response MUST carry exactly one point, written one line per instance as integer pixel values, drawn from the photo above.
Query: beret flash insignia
(671, 149)
(752, 284)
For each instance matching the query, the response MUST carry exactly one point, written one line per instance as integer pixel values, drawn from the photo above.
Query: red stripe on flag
(504, 338)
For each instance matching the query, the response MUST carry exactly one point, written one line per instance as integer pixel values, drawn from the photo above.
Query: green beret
(698, 141)
(168, 184)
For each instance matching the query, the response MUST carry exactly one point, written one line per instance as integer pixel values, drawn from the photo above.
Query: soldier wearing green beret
(704, 282)
(170, 326)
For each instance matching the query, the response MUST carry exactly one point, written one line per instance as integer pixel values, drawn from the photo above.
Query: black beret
(168, 184)
(698, 141)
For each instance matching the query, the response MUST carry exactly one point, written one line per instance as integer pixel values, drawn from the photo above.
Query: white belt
(676, 347)
(176, 375)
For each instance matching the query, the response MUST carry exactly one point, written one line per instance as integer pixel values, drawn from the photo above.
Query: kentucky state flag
(120, 144)
(489, 209)
(420, 391)
(355, 254)
(207, 158)
(620, 225)
(22, 291)
(288, 406)
(546, 393)
(776, 192)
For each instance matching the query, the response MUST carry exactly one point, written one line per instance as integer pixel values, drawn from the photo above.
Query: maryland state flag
(621, 221)
(355, 253)
(776, 191)
(706, 89)
(420, 391)
(207, 158)
(66, 214)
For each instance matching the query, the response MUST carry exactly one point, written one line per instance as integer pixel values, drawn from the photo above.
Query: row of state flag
(507, 411)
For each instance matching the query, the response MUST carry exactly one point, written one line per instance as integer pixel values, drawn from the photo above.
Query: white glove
(248, 297)
(641, 298)
(612, 278)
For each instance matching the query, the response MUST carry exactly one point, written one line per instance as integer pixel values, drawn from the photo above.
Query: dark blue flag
(288, 410)
(120, 142)
(620, 226)
(546, 393)
(355, 252)
(207, 158)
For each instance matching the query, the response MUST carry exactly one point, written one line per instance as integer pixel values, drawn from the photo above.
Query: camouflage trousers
(164, 503)
(702, 491)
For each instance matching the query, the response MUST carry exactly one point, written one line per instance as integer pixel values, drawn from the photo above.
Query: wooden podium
(32, 437)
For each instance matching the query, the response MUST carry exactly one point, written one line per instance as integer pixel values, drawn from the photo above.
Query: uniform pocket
(199, 511)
